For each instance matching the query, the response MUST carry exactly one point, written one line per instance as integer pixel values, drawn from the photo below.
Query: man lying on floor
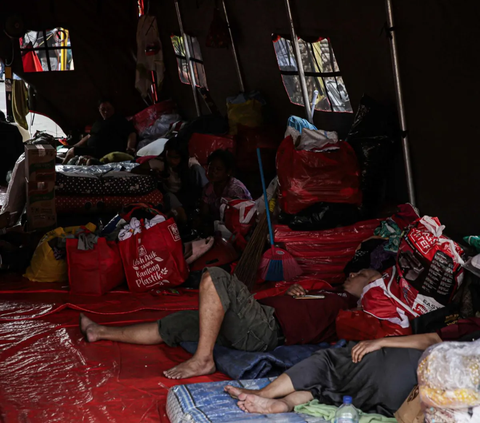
(378, 374)
(229, 316)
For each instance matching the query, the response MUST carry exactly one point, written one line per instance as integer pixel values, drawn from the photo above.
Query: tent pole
(234, 50)
(191, 70)
(400, 104)
(298, 57)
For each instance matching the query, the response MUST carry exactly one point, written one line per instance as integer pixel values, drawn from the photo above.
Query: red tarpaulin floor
(48, 373)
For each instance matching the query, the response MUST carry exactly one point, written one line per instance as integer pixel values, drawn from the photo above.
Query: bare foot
(89, 328)
(191, 368)
(234, 392)
(255, 404)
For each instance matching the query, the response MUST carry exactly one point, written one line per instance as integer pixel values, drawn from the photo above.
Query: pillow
(155, 148)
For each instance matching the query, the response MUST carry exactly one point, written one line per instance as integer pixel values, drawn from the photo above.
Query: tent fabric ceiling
(437, 42)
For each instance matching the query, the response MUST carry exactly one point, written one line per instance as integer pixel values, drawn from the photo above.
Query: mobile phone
(309, 297)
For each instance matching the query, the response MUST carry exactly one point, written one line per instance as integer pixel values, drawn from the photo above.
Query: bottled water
(347, 413)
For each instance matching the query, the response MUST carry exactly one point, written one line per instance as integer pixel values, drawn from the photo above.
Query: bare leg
(255, 404)
(142, 333)
(211, 315)
(279, 388)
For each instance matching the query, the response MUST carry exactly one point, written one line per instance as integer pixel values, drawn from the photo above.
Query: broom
(276, 264)
(247, 267)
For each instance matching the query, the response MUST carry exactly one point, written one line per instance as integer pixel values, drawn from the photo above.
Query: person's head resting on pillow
(357, 281)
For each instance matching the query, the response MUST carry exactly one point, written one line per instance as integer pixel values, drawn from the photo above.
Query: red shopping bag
(153, 256)
(94, 271)
(238, 215)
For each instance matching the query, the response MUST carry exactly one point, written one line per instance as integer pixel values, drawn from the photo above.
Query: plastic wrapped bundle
(449, 375)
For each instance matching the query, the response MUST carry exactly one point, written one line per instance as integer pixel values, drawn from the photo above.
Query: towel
(327, 412)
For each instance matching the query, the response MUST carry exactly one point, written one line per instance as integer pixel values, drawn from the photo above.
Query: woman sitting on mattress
(378, 374)
(221, 185)
(110, 134)
(181, 176)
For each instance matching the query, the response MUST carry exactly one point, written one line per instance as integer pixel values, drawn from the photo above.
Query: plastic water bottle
(347, 413)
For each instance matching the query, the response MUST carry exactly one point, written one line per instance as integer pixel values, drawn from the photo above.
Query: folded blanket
(327, 412)
(253, 365)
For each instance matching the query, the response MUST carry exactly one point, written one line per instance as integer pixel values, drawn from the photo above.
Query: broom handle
(267, 208)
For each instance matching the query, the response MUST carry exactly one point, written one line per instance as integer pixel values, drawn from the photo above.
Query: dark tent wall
(103, 42)
(364, 68)
(438, 62)
(438, 53)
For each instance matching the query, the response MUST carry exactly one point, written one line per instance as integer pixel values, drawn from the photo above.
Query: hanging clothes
(20, 103)
(149, 55)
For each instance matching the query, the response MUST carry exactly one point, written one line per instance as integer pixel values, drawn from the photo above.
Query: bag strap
(139, 206)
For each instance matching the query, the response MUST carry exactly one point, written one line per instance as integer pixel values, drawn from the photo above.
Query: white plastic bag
(449, 375)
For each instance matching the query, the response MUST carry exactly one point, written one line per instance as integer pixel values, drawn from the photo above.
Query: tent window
(196, 59)
(321, 73)
(46, 50)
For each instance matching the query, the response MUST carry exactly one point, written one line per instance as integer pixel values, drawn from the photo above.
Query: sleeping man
(378, 374)
(228, 315)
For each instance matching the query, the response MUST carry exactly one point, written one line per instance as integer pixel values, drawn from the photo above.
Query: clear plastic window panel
(51, 47)
(183, 71)
(317, 57)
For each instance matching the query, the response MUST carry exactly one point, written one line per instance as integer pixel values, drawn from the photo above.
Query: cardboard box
(40, 162)
(411, 410)
(40, 186)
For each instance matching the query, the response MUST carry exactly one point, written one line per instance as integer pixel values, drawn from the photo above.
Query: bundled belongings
(449, 382)
(325, 253)
(372, 137)
(428, 270)
(102, 188)
(305, 178)
(49, 262)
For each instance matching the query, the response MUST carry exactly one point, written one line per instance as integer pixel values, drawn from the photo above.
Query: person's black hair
(177, 145)
(225, 156)
(2, 117)
(105, 100)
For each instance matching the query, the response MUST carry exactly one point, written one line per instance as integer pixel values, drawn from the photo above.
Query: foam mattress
(208, 403)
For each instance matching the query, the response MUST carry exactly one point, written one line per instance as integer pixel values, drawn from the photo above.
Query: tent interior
(48, 372)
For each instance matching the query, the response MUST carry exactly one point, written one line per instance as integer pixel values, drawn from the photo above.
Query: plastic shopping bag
(428, 270)
(49, 262)
(306, 177)
(95, 271)
(152, 253)
(238, 215)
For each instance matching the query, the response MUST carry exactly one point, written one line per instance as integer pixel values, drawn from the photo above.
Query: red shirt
(310, 321)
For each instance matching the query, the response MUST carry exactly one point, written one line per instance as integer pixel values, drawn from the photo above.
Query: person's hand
(130, 151)
(296, 290)
(365, 347)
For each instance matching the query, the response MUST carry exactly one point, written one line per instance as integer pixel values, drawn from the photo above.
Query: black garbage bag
(373, 136)
(322, 216)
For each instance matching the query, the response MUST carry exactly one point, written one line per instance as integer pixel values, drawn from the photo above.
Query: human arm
(418, 342)
(132, 143)
(296, 290)
(83, 141)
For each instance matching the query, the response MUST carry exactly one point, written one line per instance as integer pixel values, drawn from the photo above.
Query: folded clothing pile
(103, 188)
(449, 382)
